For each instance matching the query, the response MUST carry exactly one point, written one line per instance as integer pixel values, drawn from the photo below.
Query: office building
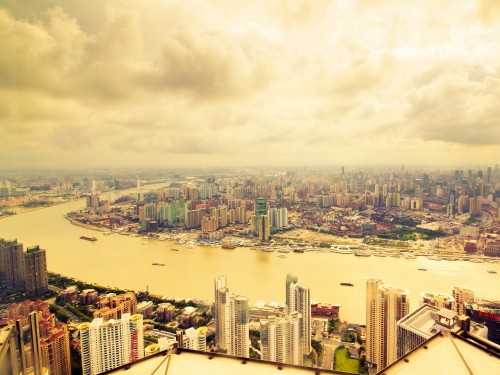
(385, 305)
(260, 208)
(427, 321)
(487, 315)
(107, 345)
(298, 299)
(35, 261)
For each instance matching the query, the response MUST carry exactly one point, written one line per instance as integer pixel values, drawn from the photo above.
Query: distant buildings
(439, 300)
(23, 271)
(385, 305)
(106, 345)
(462, 297)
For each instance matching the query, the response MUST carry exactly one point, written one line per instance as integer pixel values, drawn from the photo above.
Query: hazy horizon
(217, 84)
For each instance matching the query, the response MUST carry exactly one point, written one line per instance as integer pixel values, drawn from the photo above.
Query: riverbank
(19, 210)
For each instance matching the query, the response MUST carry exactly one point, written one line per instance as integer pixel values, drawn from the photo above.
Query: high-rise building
(385, 305)
(462, 296)
(280, 338)
(260, 208)
(12, 269)
(55, 350)
(298, 299)
(9, 355)
(231, 320)
(36, 271)
(264, 228)
(106, 345)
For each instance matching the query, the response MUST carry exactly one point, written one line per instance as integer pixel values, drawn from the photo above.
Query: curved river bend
(126, 262)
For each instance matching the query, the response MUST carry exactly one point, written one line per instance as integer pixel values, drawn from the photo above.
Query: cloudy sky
(164, 83)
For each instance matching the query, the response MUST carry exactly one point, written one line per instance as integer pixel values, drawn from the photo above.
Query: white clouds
(246, 81)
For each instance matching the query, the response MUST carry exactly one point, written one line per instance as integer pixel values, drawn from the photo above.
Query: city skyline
(288, 83)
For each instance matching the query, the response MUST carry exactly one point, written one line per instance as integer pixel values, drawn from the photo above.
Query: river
(126, 262)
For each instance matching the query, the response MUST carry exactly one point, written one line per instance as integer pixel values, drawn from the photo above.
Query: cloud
(130, 82)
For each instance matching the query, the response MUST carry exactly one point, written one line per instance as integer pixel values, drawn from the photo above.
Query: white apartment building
(109, 344)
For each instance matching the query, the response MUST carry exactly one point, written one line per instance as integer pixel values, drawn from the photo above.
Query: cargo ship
(88, 238)
(347, 284)
(158, 264)
(228, 246)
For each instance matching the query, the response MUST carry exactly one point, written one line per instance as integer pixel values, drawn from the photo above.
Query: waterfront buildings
(487, 315)
(385, 305)
(298, 299)
(231, 320)
(281, 340)
(264, 228)
(462, 296)
(106, 345)
(36, 271)
(23, 271)
(439, 300)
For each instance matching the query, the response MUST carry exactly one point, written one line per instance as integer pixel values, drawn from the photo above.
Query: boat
(88, 238)
(362, 254)
(347, 284)
(298, 250)
(107, 233)
(174, 249)
(341, 249)
(228, 246)
(281, 256)
(492, 271)
(158, 264)
(410, 256)
(422, 269)
(190, 246)
(268, 249)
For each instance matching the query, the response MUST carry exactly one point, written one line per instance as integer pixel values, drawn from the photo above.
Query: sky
(185, 83)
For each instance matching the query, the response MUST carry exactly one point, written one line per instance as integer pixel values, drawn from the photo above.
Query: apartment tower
(231, 320)
(385, 305)
(298, 299)
(106, 345)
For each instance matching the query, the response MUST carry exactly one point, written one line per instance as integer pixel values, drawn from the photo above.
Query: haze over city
(287, 83)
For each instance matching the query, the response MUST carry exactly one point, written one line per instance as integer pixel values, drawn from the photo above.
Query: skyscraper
(231, 320)
(385, 305)
(36, 271)
(264, 228)
(298, 299)
(106, 345)
(260, 208)
(12, 270)
(280, 338)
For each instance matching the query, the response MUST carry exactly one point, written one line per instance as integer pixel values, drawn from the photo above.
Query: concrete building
(12, 269)
(231, 320)
(298, 299)
(439, 300)
(36, 271)
(385, 305)
(107, 345)
(264, 228)
(280, 338)
(462, 296)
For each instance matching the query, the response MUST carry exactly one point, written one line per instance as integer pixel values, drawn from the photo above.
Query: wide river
(126, 262)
